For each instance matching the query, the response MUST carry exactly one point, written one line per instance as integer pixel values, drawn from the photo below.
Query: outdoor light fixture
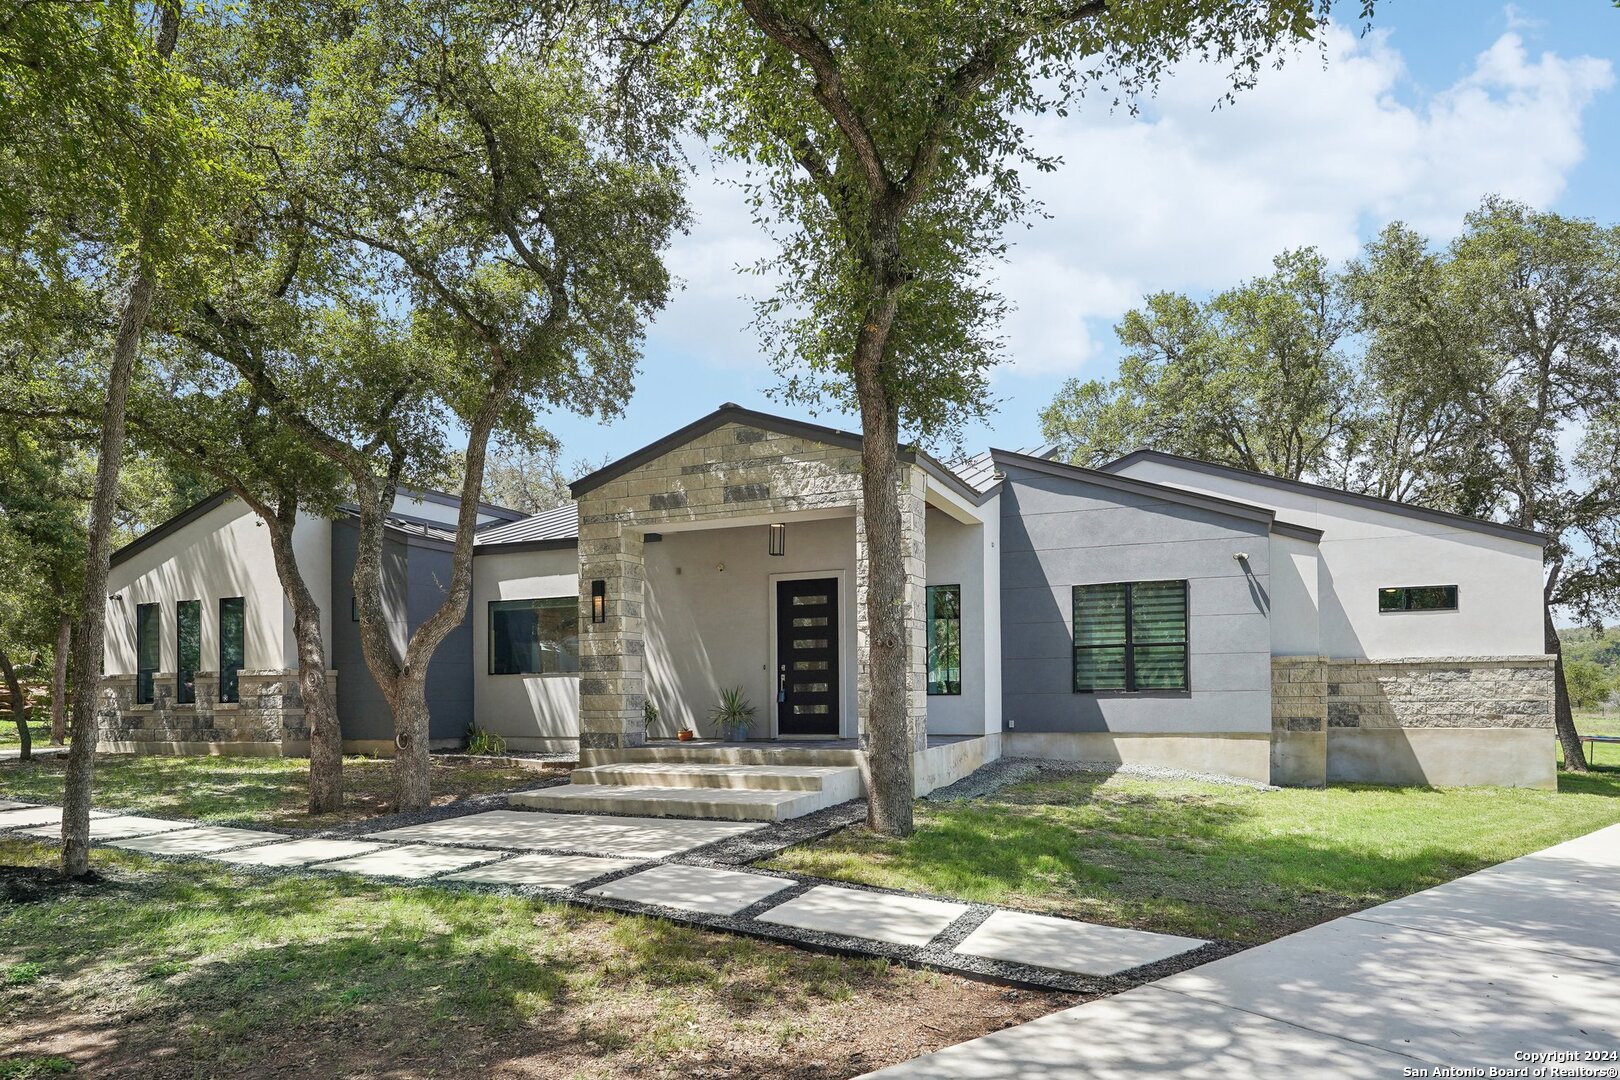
(598, 601)
(778, 539)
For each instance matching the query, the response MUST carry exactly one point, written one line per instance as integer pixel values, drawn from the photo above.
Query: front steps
(727, 783)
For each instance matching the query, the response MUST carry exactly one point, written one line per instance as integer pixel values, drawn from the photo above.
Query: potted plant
(734, 716)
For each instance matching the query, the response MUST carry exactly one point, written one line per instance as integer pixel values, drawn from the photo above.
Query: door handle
(781, 684)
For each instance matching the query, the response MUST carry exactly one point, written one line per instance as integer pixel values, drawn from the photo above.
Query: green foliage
(1254, 377)
(22, 974)
(1590, 684)
(34, 1068)
(883, 144)
(484, 743)
(732, 711)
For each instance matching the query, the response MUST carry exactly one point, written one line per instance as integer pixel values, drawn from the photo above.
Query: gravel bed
(991, 778)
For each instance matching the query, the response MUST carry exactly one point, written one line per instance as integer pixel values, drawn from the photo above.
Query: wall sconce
(778, 543)
(598, 601)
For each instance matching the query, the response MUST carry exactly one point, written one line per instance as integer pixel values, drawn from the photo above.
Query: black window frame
(555, 601)
(230, 684)
(144, 676)
(1406, 594)
(948, 689)
(185, 677)
(1128, 643)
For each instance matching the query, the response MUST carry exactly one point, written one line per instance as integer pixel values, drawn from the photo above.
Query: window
(944, 639)
(187, 649)
(1418, 598)
(232, 634)
(534, 637)
(1130, 636)
(148, 649)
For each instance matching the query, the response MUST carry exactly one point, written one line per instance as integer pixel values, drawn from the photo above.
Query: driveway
(1491, 970)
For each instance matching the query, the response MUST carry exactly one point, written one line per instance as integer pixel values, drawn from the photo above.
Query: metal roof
(560, 523)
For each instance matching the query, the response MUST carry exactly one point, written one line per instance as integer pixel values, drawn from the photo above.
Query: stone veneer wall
(1385, 701)
(734, 471)
(269, 718)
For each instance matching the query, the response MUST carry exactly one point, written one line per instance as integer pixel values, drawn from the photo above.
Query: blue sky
(1446, 101)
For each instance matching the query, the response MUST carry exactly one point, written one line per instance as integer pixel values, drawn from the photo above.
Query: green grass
(11, 738)
(219, 970)
(1209, 860)
(261, 790)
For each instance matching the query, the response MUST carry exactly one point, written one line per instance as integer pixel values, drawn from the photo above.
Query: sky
(1442, 103)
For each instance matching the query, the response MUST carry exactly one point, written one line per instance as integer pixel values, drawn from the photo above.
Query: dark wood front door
(807, 657)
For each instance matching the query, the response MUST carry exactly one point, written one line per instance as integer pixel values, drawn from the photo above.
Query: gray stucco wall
(413, 581)
(1058, 532)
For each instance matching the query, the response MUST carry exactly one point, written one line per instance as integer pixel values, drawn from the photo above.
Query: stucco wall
(956, 556)
(1296, 613)
(1364, 549)
(224, 553)
(1058, 532)
(532, 712)
(707, 629)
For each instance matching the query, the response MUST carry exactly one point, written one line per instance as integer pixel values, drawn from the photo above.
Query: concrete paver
(113, 827)
(8, 804)
(694, 888)
(1066, 945)
(201, 841)
(411, 861)
(542, 871)
(35, 816)
(298, 852)
(891, 917)
(596, 834)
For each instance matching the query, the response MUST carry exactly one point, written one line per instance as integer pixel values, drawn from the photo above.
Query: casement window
(187, 649)
(148, 649)
(232, 646)
(534, 637)
(944, 640)
(1418, 598)
(1130, 636)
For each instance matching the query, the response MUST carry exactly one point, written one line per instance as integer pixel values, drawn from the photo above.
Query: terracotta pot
(685, 734)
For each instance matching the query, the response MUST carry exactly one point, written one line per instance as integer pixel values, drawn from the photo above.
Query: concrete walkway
(655, 866)
(1518, 960)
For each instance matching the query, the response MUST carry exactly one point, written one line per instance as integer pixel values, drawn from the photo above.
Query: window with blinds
(1130, 636)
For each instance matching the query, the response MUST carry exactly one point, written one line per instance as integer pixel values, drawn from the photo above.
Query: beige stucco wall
(531, 712)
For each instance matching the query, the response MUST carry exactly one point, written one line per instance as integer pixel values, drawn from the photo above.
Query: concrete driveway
(1494, 969)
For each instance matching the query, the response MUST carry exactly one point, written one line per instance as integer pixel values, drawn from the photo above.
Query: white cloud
(1191, 199)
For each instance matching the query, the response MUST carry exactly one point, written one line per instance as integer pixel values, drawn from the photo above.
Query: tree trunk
(403, 681)
(59, 683)
(19, 708)
(89, 638)
(412, 786)
(325, 735)
(1563, 715)
(888, 735)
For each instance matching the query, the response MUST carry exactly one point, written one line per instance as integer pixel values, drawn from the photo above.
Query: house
(200, 655)
(1159, 611)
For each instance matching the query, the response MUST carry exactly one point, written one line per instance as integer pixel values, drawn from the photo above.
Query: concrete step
(718, 753)
(727, 804)
(841, 781)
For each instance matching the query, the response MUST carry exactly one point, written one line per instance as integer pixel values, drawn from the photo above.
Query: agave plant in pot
(733, 717)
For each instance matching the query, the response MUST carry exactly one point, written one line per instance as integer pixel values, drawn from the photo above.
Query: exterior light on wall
(1240, 556)
(778, 539)
(598, 601)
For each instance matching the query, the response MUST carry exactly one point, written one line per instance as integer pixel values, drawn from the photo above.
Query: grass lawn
(188, 968)
(260, 790)
(1209, 860)
(9, 737)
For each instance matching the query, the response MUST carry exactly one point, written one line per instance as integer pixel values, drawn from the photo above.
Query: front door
(807, 657)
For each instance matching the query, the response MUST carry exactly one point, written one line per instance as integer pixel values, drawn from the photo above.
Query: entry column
(612, 655)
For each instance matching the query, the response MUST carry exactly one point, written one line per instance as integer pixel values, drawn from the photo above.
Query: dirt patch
(897, 1016)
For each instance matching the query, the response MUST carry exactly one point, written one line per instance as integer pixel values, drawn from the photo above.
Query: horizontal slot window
(1418, 598)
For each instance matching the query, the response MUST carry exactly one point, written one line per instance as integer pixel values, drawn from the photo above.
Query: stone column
(612, 653)
(914, 551)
